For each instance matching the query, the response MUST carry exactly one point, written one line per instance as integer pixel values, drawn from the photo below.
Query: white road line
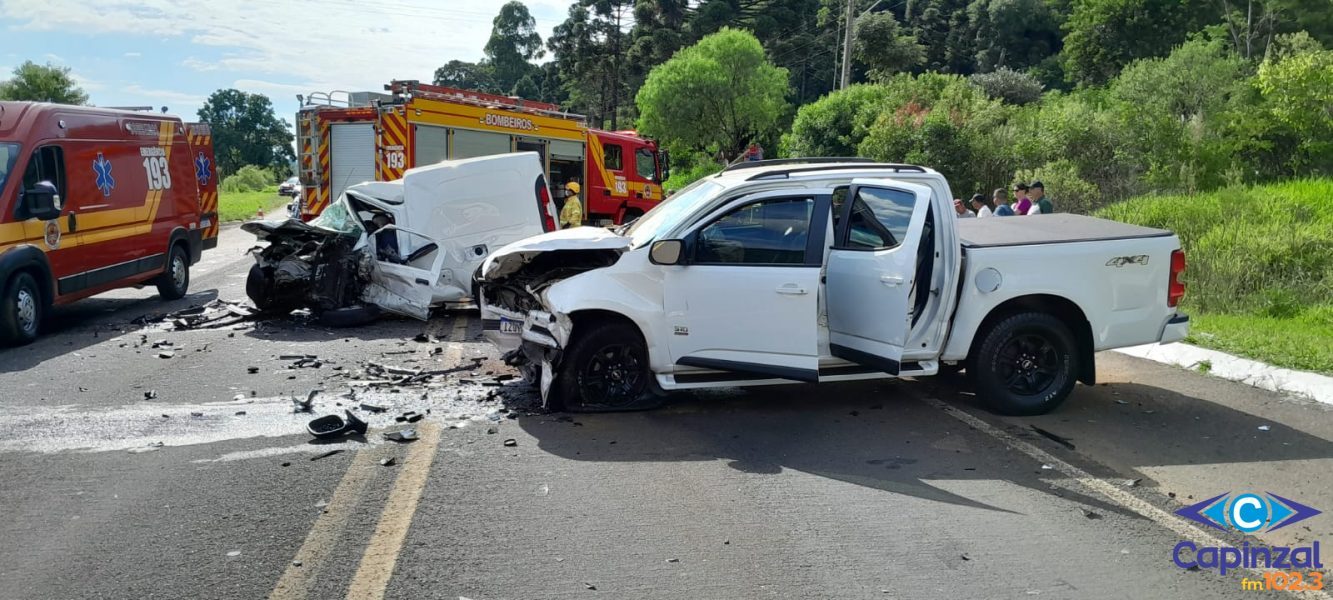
(381, 554)
(1105, 488)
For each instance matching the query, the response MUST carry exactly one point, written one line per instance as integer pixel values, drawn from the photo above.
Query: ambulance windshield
(9, 153)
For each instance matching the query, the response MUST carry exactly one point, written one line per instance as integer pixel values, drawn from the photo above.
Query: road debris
(1063, 441)
(1264, 428)
(304, 406)
(511, 442)
(406, 435)
(150, 394)
(1091, 515)
(166, 354)
(325, 455)
(368, 407)
(330, 427)
(409, 417)
(387, 462)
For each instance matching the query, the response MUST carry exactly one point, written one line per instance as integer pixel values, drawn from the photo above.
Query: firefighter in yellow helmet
(571, 214)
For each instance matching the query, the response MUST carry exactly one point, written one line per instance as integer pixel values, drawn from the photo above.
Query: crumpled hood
(289, 227)
(510, 258)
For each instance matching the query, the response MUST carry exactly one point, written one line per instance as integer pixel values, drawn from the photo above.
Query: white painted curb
(1300, 383)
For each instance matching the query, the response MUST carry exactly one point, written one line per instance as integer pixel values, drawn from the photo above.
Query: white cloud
(344, 42)
(132, 54)
(199, 65)
(136, 90)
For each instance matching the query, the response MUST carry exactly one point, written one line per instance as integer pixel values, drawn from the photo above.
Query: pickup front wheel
(604, 369)
(1026, 364)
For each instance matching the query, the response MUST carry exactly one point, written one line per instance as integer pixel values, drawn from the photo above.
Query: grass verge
(1260, 276)
(242, 206)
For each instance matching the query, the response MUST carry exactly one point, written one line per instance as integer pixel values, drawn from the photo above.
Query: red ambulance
(97, 199)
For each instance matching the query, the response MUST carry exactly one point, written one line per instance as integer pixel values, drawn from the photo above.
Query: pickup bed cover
(1059, 228)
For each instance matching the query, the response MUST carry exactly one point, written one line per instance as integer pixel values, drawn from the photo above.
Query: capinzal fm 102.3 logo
(1248, 512)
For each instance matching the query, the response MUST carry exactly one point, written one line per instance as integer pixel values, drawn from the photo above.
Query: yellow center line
(319, 543)
(296, 580)
(377, 563)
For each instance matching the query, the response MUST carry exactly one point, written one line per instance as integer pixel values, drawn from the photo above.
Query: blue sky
(174, 53)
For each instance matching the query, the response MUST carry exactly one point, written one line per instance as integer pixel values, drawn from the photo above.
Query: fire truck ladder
(415, 89)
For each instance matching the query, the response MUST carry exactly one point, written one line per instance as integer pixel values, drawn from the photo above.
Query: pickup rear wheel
(604, 369)
(1026, 364)
(20, 310)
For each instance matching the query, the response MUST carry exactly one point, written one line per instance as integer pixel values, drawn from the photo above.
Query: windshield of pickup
(9, 154)
(665, 216)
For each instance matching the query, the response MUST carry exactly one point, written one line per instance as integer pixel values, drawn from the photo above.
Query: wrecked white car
(817, 270)
(401, 246)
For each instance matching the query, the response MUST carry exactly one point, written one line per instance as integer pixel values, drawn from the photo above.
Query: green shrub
(1008, 85)
(249, 178)
(836, 124)
(1067, 191)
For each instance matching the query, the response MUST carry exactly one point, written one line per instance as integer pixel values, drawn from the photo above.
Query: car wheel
(20, 310)
(175, 280)
(604, 369)
(1026, 364)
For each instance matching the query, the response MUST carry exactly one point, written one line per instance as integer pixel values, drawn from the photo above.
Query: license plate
(510, 326)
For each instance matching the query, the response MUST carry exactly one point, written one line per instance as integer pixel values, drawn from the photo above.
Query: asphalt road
(126, 475)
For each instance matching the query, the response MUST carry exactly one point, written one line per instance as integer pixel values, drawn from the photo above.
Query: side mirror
(667, 252)
(41, 202)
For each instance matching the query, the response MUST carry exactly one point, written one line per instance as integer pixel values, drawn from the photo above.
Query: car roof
(806, 169)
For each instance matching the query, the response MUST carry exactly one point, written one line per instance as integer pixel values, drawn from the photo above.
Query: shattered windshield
(9, 153)
(665, 216)
(339, 217)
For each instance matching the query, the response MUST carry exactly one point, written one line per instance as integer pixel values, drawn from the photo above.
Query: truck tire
(174, 281)
(1026, 364)
(604, 369)
(20, 310)
(349, 316)
(259, 287)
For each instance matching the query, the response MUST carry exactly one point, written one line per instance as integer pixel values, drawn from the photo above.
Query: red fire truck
(375, 137)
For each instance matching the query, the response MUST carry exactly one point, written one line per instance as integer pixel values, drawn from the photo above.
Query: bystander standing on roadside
(981, 207)
(1022, 203)
(963, 212)
(1041, 205)
(1002, 208)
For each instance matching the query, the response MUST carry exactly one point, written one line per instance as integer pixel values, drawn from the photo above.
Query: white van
(405, 245)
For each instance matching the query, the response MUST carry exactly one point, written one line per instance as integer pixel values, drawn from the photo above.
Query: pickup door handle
(73, 222)
(791, 290)
(891, 280)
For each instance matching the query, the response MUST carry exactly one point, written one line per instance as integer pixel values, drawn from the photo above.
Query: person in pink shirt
(1023, 203)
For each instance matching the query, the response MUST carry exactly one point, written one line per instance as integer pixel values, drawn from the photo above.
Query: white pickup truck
(815, 270)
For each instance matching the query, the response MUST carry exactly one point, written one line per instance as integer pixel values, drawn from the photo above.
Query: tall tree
(514, 42)
(1105, 35)
(247, 132)
(42, 83)
(716, 96)
(589, 47)
(1013, 33)
(884, 47)
(466, 75)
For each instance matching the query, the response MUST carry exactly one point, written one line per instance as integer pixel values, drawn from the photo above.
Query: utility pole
(847, 46)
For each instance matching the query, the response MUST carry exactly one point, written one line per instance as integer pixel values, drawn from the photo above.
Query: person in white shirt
(979, 205)
(963, 212)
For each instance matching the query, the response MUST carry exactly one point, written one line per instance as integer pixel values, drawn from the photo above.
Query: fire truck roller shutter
(471, 144)
(353, 156)
(432, 144)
